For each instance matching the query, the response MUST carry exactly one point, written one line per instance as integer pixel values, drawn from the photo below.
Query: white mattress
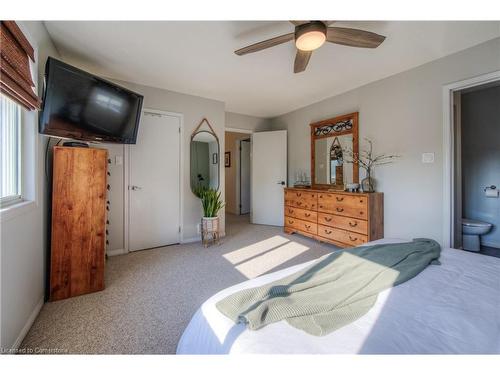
(452, 308)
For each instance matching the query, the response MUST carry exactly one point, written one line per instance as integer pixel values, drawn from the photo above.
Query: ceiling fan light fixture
(310, 36)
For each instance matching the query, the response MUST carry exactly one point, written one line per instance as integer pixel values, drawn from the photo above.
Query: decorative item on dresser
(341, 218)
(78, 221)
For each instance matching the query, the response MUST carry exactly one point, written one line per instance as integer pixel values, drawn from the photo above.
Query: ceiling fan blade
(301, 60)
(353, 37)
(265, 44)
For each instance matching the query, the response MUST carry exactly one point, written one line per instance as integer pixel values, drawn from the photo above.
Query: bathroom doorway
(476, 168)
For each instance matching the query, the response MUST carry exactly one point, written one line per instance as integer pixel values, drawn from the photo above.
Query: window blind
(15, 55)
(10, 137)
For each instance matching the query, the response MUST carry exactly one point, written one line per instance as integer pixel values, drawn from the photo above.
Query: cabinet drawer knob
(328, 219)
(321, 196)
(290, 221)
(361, 212)
(339, 199)
(353, 239)
(328, 231)
(299, 194)
(340, 209)
(290, 211)
(307, 214)
(299, 203)
(355, 224)
(308, 226)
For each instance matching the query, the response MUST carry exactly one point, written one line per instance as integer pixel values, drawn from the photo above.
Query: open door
(269, 176)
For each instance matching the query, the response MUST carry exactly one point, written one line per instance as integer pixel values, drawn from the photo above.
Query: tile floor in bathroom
(491, 251)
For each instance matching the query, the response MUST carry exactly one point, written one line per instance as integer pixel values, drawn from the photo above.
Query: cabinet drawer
(340, 235)
(301, 199)
(344, 205)
(302, 225)
(299, 213)
(342, 222)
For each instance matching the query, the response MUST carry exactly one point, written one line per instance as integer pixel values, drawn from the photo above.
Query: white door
(244, 176)
(269, 175)
(154, 183)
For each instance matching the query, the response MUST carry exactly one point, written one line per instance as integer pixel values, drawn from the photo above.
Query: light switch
(428, 157)
(118, 160)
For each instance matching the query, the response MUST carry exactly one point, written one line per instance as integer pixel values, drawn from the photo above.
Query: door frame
(126, 178)
(238, 180)
(449, 140)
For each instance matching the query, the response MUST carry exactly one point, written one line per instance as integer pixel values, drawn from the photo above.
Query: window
(10, 154)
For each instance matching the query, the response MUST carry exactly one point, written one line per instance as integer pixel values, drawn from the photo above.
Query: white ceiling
(196, 57)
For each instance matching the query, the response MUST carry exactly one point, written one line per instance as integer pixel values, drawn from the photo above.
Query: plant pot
(209, 230)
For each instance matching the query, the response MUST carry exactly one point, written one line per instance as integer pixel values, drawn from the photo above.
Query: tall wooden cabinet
(78, 221)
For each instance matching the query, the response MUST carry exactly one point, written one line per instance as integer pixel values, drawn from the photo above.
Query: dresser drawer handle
(290, 211)
(290, 221)
(320, 206)
(353, 239)
(328, 231)
(361, 212)
(307, 214)
(298, 203)
(339, 199)
(307, 226)
(321, 196)
(340, 209)
(299, 194)
(328, 219)
(355, 224)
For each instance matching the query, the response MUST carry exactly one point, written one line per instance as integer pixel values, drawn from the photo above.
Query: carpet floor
(151, 295)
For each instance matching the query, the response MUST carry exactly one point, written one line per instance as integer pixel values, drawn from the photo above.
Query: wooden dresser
(341, 218)
(78, 221)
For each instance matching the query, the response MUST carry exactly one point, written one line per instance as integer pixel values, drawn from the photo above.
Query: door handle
(134, 187)
(281, 183)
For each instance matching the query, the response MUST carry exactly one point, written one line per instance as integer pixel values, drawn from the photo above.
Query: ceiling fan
(310, 35)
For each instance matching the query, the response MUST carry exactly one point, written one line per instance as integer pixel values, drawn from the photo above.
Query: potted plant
(212, 203)
(367, 160)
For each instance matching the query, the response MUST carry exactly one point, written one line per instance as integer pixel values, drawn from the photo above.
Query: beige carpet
(151, 295)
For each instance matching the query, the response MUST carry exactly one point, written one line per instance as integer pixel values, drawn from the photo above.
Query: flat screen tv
(79, 105)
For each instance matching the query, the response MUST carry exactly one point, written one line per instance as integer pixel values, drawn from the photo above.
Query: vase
(209, 230)
(368, 184)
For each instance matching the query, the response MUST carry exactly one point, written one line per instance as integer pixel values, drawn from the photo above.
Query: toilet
(471, 230)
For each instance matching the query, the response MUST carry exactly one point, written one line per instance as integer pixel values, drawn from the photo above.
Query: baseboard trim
(491, 244)
(112, 253)
(190, 240)
(28, 324)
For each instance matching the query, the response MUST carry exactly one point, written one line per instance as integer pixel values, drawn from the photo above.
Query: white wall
(481, 158)
(239, 121)
(402, 114)
(23, 236)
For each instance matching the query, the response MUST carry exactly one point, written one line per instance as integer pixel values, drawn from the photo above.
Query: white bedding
(452, 308)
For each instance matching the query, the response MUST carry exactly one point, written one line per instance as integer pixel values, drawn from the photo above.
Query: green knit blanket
(335, 290)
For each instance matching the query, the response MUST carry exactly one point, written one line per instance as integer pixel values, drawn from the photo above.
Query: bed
(453, 308)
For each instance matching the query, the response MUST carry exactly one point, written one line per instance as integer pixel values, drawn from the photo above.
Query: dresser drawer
(302, 225)
(301, 199)
(342, 222)
(345, 205)
(340, 235)
(299, 213)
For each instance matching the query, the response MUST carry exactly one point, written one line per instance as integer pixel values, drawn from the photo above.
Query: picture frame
(227, 159)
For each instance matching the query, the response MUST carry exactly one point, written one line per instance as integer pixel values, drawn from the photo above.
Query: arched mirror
(205, 157)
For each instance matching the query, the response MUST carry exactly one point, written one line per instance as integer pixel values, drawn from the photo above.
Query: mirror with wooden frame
(333, 142)
(205, 159)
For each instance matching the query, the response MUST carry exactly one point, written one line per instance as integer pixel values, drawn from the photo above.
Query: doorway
(237, 160)
(153, 183)
(475, 167)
